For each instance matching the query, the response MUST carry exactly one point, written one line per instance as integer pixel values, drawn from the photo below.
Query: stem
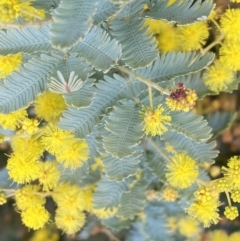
(109, 234)
(146, 81)
(215, 42)
(159, 150)
(228, 198)
(29, 24)
(32, 14)
(150, 96)
(116, 14)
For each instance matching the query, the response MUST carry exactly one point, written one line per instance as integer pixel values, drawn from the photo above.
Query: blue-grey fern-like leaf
(191, 125)
(72, 63)
(124, 125)
(201, 151)
(130, 9)
(82, 121)
(133, 201)
(116, 223)
(45, 4)
(170, 65)
(182, 12)
(82, 97)
(108, 193)
(119, 169)
(71, 21)
(139, 49)
(26, 40)
(21, 88)
(156, 163)
(155, 226)
(99, 49)
(105, 10)
(220, 120)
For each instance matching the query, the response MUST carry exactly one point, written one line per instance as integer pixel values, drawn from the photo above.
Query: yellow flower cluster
(155, 120)
(218, 77)
(49, 106)
(46, 234)
(169, 194)
(232, 172)
(9, 63)
(71, 202)
(12, 9)
(178, 38)
(13, 120)
(3, 198)
(31, 204)
(69, 151)
(205, 207)
(231, 212)
(181, 98)
(182, 171)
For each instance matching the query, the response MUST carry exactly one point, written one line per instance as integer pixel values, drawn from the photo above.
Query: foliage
(102, 113)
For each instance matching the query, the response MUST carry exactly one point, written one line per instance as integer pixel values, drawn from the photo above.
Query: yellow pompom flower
(218, 77)
(30, 126)
(12, 9)
(74, 155)
(69, 197)
(234, 236)
(193, 36)
(231, 212)
(167, 39)
(87, 199)
(230, 22)
(218, 235)
(49, 175)
(3, 198)
(69, 221)
(12, 120)
(49, 106)
(232, 173)
(222, 185)
(28, 196)
(9, 63)
(35, 217)
(55, 139)
(170, 195)
(22, 144)
(104, 213)
(9, 10)
(189, 227)
(205, 212)
(235, 195)
(155, 120)
(182, 171)
(155, 26)
(23, 167)
(46, 234)
(181, 98)
(229, 55)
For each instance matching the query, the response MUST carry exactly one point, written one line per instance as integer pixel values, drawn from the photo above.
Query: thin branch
(109, 234)
(150, 96)
(23, 25)
(146, 81)
(216, 41)
(159, 150)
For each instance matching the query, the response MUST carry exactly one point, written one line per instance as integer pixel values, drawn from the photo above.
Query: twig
(28, 24)
(109, 234)
(146, 81)
(159, 150)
